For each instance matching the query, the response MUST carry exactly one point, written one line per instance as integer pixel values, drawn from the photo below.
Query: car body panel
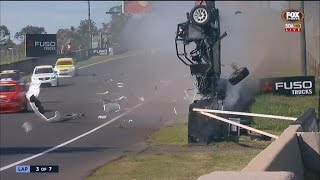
(66, 67)
(14, 75)
(47, 75)
(12, 97)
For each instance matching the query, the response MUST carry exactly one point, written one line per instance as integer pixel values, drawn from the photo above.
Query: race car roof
(9, 71)
(43, 66)
(64, 59)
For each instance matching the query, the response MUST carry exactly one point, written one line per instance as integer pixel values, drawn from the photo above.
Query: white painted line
(240, 125)
(245, 114)
(105, 61)
(70, 141)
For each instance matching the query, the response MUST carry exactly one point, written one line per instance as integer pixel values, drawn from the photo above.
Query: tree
(105, 28)
(83, 28)
(29, 30)
(4, 35)
(65, 35)
(117, 25)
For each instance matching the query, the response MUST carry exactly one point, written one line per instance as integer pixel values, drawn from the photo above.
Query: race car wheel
(238, 75)
(200, 15)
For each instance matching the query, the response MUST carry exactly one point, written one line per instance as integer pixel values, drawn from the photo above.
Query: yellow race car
(66, 67)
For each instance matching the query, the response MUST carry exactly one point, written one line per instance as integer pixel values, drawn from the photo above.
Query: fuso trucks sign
(41, 45)
(291, 86)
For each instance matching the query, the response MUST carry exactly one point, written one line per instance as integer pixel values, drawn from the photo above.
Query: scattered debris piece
(27, 126)
(110, 107)
(102, 117)
(141, 99)
(175, 111)
(103, 92)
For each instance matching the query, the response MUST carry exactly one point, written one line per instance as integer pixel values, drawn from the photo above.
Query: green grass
(185, 165)
(5, 60)
(281, 106)
(173, 135)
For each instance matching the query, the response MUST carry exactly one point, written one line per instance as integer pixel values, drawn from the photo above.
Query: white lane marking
(70, 141)
(105, 61)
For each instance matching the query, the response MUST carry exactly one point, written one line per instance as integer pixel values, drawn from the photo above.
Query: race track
(79, 146)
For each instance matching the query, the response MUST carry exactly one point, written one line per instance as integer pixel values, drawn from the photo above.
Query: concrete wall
(294, 155)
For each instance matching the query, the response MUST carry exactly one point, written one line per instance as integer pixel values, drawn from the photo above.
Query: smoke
(156, 29)
(256, 39)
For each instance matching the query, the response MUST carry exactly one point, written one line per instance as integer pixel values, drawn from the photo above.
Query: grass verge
(184, 165)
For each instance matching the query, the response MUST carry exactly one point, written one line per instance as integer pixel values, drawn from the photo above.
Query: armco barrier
(294, 155)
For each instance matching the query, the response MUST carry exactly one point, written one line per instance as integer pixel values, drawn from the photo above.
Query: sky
(52, 15)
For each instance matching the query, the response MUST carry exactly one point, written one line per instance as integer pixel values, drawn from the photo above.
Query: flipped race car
(45, 75)
(12, 97)
(66, 67)
(14, 75)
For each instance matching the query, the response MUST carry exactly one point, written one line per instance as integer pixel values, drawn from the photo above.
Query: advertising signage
(291, 86)
(38, 45)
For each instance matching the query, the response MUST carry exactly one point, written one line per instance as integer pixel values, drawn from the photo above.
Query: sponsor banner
(100, 52)
(136, 7)
(41, 45)
(291, 86)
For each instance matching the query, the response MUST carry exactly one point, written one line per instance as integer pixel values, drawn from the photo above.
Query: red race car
(12, 97)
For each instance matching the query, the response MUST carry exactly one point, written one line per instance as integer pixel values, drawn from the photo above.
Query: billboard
(290, 86)
(136, 7)
(41, 45)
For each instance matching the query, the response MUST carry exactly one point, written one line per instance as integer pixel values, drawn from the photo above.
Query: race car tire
(200, 15)
(238, 75)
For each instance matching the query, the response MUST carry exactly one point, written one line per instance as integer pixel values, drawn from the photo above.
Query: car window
(43, 70)
(7, 87)
(64, 63)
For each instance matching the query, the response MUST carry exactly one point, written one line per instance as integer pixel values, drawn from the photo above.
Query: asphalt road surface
(81, 145)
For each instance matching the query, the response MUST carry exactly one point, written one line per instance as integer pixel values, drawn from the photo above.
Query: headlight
(34, 78)
(72, 69)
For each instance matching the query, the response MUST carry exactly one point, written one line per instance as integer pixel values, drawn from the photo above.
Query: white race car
(45, 74)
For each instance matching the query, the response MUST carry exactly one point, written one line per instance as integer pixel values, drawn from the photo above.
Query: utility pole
(90, 34)
(303, 45)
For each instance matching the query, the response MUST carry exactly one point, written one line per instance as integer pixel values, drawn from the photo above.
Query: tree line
(78, 36)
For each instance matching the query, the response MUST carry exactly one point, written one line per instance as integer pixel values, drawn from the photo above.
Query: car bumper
(69, 73)
(52, 82)
(11, 107)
